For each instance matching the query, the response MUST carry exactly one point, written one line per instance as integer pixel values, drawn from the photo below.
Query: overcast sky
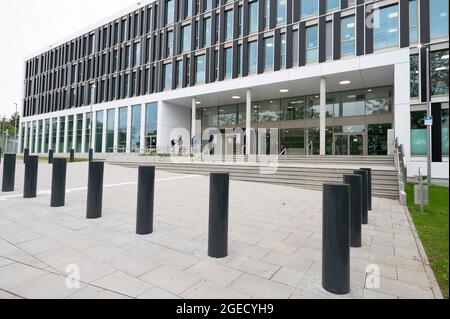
(26, 26)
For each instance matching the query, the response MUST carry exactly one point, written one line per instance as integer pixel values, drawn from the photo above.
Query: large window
(385, 32)
(207, 33)
(281, 12)
(444, 126)
(329, 40)
(187, 8)
(186, 36)
(135, 139)
(348, 36)
(228, 56)
(283, 50)
(266, 14)
(122, 134)
(418, 133)
(136, 54)
(438, 18)
(253, 16)
(170, 12)
(110, 126)
(167, 73)
(333, 4)
(295, 47)
(54, 132)
(200, 69)
(151, 119)
(414, 75)
(377, 142)
(413, 22)
(99, 131)
(229, 25)
(439, 72)
(268, 53)
(252, 57)
(179, 73)
(79, 132)
(70, 133)
(309, 7)
(311, 44)
(169, 43)
(378, 102)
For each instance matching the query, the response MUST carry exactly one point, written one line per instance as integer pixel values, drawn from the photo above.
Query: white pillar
(94, 130)
(50, 134)
(248, 122)
(129, 115)
(83, 134)
(25, 139)
(142, 130)
(31, 137)
(116, 129)
(75, 128)
(66, 134)
(58, 133)
(36, 138)
(194, 120)
(402, 109)
(43, 136)
(105, 123)
(323, 115)
(19, 144)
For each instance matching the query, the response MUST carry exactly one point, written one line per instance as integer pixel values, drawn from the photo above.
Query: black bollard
(72, 155)
(365, 195)
(26, 153)
(355, 182)
(369, 181)
(58, 197)
(9, 172)
(145, 200)
(51, 154)
(95, 190)
(336, 238)
(91, 155)
(31, 174)
(218, 215)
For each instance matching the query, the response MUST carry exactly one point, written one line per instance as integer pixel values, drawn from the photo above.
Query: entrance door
(349, 144)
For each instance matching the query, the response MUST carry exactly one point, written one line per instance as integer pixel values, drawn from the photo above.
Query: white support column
(248, 122)
(116, 129)
(83, 135)
(31, 137)
(50, 133)
(66, 134)
(19, 136)
(129, 114)
(43, 136)
(36, 139)
(402, 109)
(25, 139)
(194, 120)
(58, 134)
(143, 114)
(105, 123)
(74, 136)
(94, 130)
(323, 114)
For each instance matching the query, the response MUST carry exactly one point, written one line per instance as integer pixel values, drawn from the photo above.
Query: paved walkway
(275, 243)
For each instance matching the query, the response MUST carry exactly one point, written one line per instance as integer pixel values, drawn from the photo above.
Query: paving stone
(170, 279)
(122, 283)
(260, 288)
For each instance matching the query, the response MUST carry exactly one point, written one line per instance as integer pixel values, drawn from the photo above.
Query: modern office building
(329, 77)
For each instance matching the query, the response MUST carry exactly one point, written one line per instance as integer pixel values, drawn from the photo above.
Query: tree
(8, 125)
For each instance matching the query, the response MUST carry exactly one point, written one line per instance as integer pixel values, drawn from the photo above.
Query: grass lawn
(432, 227)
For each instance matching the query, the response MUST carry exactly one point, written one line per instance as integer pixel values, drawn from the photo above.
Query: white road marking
(71, 190)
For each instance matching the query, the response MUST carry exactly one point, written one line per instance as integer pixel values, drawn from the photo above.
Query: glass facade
(348, 36)
(135, 142)
(54, 123)
(309, 8)
(110, 126)
(385, 32)
(88, 133)
(99, 122)
(200, 69)
(414, 75)
(252, 57)
(438, 18)
(62, 132)
(229, 24)
(268, 53)
(413, 22)
(228, 61)
(167, 74)
(122, 133)
(253, 16)
(439, 72)
(281, 12)
(70, 126)
(311, 44)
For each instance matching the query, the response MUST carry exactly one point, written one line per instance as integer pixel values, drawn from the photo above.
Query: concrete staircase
(302, 172)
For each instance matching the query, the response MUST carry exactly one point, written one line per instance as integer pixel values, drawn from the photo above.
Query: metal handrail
(283, 152)
(310, 145)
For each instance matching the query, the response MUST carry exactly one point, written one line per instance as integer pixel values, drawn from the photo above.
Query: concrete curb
(423, 256)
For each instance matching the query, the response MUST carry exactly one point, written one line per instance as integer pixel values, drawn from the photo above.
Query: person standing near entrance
(172, 142)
